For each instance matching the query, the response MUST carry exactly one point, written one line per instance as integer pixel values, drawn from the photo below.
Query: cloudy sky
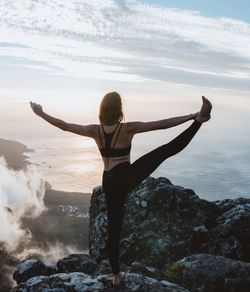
(67, 54)
(160, 55)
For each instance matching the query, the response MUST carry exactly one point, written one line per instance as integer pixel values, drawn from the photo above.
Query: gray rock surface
(78, 282)
(171, 240)
(77, 263)
(30, 268)
(231, 234)
(164, 223)
(205, 272)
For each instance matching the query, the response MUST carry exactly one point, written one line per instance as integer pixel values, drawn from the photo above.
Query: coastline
(60, 230)
(59, 203)
(13, 153)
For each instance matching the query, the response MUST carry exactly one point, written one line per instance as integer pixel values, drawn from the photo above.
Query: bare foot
(204, 114)
(117, 280)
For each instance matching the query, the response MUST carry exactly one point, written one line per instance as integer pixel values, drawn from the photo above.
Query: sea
(216, 163)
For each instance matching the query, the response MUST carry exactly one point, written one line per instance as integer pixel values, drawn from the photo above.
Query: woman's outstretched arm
(88, 130)
(139, 127)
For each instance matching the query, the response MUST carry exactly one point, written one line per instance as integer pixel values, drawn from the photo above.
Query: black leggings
(124, 177)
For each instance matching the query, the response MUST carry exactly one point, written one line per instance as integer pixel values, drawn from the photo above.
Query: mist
(22, 197)
(21, 194)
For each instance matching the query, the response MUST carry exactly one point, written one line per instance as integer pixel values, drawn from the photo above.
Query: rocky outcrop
(81, 273)
(205, 272)
(199, 272)
(164, 223)
(171, 240)
(27, 269)
(77, 263)
(231, 234)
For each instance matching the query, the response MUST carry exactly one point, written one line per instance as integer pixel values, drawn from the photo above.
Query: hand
(37, 108)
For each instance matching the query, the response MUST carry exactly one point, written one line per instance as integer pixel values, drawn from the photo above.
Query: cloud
(21, 194)
(99, 39)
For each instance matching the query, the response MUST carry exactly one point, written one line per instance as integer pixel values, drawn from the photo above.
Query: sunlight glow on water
(75, 165)
(68, 164)
(215, 165)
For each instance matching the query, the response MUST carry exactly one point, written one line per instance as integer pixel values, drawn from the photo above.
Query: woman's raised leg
(145, 165)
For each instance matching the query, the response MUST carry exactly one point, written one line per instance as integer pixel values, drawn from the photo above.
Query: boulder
(27, 269)
(164, 223)
(79, 282)
(206, 272)
(230, 236)
(77, 263)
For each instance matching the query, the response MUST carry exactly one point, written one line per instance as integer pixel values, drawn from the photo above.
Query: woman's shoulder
(131, 126)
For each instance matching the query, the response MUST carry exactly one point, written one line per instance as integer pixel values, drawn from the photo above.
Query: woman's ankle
(117, 279)
(198, 121)
(202, 119)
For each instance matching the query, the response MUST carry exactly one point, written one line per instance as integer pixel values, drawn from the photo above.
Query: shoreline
(63, 226)
(54, 199)
(13, 152)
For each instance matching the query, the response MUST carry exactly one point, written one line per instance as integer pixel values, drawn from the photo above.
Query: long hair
(111, 108)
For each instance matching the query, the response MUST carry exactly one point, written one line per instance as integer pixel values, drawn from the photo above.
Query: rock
(36, 283)
(206, 272)
(29, 268)
(66, 282)
(51, 269)
(231, 235)
(167, 222)
(79, 282)
(160, 223)
(98, 224)
(77, 263)
(171, 240)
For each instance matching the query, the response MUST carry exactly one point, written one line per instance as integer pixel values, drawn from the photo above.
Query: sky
(223, 8)
(161, 56)
(67, 54)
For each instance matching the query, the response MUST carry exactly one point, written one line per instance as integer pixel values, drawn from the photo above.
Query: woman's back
(114, 143)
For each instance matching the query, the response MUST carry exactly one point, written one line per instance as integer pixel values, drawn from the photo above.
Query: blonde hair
(111, 108)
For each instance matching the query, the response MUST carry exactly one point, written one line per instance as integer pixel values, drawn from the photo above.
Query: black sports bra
(107, 151)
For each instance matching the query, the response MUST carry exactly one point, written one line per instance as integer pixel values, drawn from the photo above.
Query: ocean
(215, 164)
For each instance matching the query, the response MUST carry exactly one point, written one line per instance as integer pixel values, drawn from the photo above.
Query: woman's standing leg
(145, 165)
(115, 205)
(114, 185)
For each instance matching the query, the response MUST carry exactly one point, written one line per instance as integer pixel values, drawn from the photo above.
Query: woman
(113, 139)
